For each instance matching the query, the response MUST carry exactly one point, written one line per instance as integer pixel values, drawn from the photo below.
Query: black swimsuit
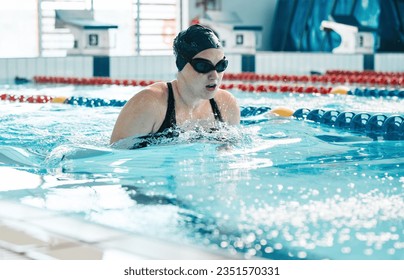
(170, 121)
(167, 128)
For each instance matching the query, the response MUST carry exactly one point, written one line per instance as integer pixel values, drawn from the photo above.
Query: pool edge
(39, 234)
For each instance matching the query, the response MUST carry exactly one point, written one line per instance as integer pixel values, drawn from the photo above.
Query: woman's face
(204, 85)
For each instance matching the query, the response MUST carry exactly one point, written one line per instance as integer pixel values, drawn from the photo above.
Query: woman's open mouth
(211, 87)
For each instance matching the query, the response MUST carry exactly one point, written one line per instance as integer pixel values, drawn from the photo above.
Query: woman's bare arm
(137, 117)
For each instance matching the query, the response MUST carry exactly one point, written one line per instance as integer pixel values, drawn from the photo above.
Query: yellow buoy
(340, 90)
(282, 112)
(59, 99)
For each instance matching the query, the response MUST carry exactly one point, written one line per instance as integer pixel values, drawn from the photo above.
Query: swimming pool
(276, 187)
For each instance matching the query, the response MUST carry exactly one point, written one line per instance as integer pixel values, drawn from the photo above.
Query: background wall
(123, 64)
(163, 67)
(20, 17)
(256, 12)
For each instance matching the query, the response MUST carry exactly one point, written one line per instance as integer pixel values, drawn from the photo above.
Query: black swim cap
(192, 41)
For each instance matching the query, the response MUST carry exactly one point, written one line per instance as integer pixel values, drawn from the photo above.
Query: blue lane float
(94, 102)
(375, 126)
(377, 92)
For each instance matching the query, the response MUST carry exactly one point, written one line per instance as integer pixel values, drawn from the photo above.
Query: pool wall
(163, 67)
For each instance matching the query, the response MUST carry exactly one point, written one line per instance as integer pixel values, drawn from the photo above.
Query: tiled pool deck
(32, 233)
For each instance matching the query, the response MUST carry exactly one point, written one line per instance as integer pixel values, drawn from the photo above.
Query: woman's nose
(213, 74)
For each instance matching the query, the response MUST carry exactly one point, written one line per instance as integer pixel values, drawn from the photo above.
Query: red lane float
(32, 98)
(260, 83)
(95, 81)
(330, 78)
(245, 87)
(284, 88)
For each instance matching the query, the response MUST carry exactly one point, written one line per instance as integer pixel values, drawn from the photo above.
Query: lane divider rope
(369, 78)
(282, 84)
(375, 126)
(331, 78)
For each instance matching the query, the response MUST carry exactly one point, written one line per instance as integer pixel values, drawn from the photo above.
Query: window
(144, 26)
(155, 25)
(239, 39)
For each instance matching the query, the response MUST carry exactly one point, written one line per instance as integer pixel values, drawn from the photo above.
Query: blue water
(273, 188)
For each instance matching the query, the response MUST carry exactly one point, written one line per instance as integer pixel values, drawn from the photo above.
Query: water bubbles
(263, 242)
(224, 244)
(269, 250)
(344, 236)
(250, 238)
(304, 196)
(239, 244)
(346, 250)
(369, 223)
(391, 251)
(302, 255)
(399, 245)
(273, 233)
(351, 185)
(368, 252)
(250, 253)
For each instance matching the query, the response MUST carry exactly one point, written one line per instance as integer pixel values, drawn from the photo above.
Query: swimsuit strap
(169, 119)
(216, 111)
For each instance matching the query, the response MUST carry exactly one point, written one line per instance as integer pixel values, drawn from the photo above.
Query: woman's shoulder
(154, 93)
(156, 89)
(224, 96)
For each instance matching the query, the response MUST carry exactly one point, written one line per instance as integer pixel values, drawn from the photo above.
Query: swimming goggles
(204, 66)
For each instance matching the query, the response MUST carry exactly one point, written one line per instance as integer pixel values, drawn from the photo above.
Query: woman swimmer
(193, 100)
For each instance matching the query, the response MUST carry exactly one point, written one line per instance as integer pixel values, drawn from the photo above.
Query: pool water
(275, 187)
